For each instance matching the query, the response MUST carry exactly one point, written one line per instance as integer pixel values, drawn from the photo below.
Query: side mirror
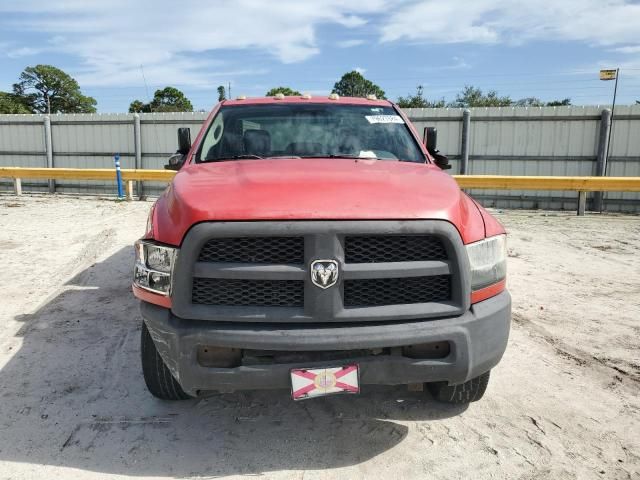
(184, 140)
(431, 141)
(175, 161)
(430, 138)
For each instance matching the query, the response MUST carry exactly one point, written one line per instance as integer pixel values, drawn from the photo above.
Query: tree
(222, 94)
(286, 91)
(10, 103)
(169, 99)
(353, 84)
(473, 97)
(418, 101)
(47, 89)
(529, 102)
(559, 103)
(139, 107)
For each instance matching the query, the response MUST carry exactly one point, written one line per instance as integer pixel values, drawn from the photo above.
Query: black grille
(396, 291)
(393, 248)
(254, 250)
(247, 293)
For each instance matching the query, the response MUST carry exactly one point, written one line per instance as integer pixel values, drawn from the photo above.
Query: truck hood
(312, 189)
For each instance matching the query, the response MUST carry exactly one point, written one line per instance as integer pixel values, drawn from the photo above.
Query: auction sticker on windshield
(384, 118)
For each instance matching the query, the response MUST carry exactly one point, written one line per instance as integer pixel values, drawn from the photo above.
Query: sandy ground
(562, 404)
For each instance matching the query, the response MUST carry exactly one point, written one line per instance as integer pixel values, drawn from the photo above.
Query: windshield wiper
(342, 155)
(234, 157)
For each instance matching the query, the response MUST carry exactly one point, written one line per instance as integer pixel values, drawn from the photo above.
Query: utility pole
(606, 75)
(229, 90)
(613, 110)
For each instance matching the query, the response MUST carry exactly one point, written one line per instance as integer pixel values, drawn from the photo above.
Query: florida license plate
(319, 382)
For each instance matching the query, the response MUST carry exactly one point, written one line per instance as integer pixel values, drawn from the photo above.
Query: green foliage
(45, 88)
(529, 102)
(473, 97)
(286, 91)
(169, 99)
(139, 107)
(222, 93)
(418, 101)
(353, 84)
(559, 103)
(10, 103)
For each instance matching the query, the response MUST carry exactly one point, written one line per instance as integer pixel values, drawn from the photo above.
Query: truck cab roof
(301, 99)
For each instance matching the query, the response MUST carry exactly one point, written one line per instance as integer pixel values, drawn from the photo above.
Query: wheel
(467, 392)
(157, 376)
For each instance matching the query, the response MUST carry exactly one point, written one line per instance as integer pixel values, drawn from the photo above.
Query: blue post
(116, 158)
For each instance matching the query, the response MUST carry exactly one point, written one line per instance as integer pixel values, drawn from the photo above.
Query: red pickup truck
(315, 244)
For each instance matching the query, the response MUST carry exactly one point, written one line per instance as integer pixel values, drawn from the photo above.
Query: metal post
(613, 109)
(137, 140)
(48, 145)
(464, 147)
(601, 163)
(582, 203)
(129, 190)
(116, 159)
(17, 186)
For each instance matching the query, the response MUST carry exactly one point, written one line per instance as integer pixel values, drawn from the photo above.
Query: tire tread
(158, 378)
(467, 392)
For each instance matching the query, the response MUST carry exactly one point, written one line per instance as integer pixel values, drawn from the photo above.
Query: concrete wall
(504, 141)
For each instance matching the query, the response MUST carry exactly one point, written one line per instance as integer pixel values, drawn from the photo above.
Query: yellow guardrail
(130, 175)
(575, 184)
(493, 182)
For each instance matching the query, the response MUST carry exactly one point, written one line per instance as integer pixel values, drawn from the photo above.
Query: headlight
(488, 259)
(154, 266)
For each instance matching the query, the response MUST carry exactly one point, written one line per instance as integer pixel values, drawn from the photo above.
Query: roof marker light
(371, 97)
(306, 96)
(241, 97)
(334, 96)
(279, 96)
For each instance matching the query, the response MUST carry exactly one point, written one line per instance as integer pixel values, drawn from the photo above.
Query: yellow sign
(608, 74)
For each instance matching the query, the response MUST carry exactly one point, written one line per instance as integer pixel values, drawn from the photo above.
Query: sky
(121, 50)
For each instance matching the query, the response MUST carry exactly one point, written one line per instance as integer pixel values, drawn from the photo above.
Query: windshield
(307, 131)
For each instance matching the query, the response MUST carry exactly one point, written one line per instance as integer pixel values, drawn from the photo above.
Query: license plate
(319, 382)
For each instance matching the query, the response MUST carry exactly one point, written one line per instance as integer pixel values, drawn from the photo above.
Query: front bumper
(478, 339)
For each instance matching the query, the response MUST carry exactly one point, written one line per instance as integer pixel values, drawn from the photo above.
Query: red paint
(314, 189)
(151, 297)
(492, 226)
(488, 292)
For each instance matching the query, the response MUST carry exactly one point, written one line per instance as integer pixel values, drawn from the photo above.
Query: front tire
(157, 376)
(470, 391)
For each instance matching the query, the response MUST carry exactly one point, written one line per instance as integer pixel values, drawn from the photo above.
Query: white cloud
(22, 52)
(459, 63)
(630, 49)
(350, 43)
(360, 70)
(596, 22)
(180, 42)
(112, 39)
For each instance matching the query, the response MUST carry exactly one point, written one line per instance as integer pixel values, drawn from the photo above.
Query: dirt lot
(564, 402)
